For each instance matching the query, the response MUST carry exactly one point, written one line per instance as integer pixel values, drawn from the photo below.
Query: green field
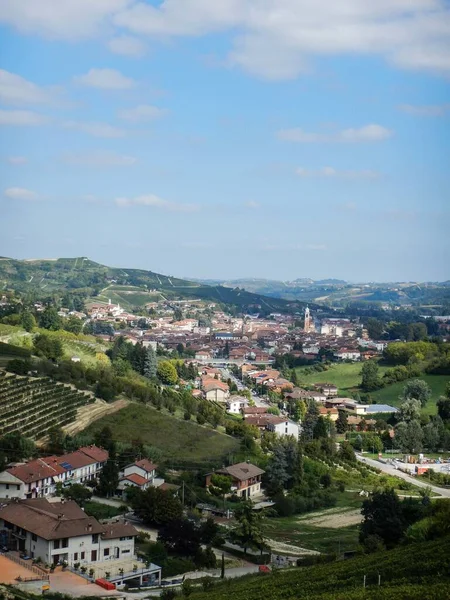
(179, 441)
(346, 376)
(390, 395)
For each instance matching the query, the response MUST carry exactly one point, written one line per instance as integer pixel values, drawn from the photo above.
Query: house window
(127, 551)
(82, 555)
(75, 556)
(34, 537)
(93, 555)
(7, 486)
(106, 552)
(18, 487)
(56, 544)
(95, 538)
(65, 543)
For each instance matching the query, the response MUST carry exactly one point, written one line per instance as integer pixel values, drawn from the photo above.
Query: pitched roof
(242, 471)
(117, 530)
(36, 469)
(146, 465)
(98, 454)
(214, 384)
(135, 478)
(50, 520)
(73, 460)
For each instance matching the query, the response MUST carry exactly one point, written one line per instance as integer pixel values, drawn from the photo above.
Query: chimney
(90, 527)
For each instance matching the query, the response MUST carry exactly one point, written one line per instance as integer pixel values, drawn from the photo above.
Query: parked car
(264, 569)
(24, 556)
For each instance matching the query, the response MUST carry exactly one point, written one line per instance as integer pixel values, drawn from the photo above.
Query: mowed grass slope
(178, 440)
(346, 376)
(390, 394)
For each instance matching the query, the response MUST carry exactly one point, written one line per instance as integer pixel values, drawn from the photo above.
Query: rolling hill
(134, 287)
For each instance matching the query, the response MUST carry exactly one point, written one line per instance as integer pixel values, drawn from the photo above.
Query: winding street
(390, 470)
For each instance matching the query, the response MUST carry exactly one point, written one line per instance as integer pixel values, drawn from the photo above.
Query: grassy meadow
(178, 440)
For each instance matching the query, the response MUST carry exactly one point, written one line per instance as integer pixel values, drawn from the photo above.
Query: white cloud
(17, 160)
(252, 204)
(21, 118)
(432, 110)
(100, 160)
(104, 130)
(105, 79)
(143, 112)
(332, 173)
(367, 133)
(127, 46)
(16, 90)
(156, 202)
(278, 38)
(17, 193)
(67, 19)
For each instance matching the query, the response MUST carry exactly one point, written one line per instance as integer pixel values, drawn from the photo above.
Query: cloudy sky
(228, 138)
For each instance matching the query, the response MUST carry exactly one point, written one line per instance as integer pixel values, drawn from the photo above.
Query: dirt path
(90, 413)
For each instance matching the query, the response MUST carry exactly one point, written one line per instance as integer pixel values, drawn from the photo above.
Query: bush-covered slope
(414, 572)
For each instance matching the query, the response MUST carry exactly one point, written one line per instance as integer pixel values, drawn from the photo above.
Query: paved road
(390, 470)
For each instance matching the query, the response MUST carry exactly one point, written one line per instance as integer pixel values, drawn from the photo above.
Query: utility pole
(364, 582)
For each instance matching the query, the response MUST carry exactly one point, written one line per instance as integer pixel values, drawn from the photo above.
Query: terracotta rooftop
(146, 465)
(242, 471)
(135, 478)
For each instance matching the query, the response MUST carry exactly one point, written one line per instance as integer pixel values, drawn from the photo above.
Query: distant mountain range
(338, 293)
(130, 287)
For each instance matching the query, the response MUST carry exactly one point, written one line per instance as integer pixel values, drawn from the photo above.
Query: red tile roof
(135, 478)
(98, 454)
(146, 465)
(36, 469)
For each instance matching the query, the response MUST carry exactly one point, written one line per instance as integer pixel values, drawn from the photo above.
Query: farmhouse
(246, 479)
(60, 531)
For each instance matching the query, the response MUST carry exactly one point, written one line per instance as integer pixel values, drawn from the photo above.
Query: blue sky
(261, 138)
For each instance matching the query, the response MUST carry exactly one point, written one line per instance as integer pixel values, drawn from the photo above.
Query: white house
(60, 531)
(282, 426)
(348, 354)
(141, 474)
(236, 404)
(38, 478)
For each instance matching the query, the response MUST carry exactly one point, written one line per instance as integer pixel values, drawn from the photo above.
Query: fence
(26, 565)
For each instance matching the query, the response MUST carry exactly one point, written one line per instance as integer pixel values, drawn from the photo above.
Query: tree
(294, 377)
(247, 531)
(104, 439)
(375, 328)
(220, 484)
(18, 366)
(342, 422)
(321, 430)
(78, 493)
(370, 379)
(431, 437)
(109, 478)
(28, 321)
(50, 319)
(73, 324)
(156, 507)
(409, 410)
(310, 421)
(180, 536)
(443, 407)
(409, 436)
(150, 363)
(48, 347)
(417, 389)
(167, 372)
(346, 452)
(56, 440)
(383, 517)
